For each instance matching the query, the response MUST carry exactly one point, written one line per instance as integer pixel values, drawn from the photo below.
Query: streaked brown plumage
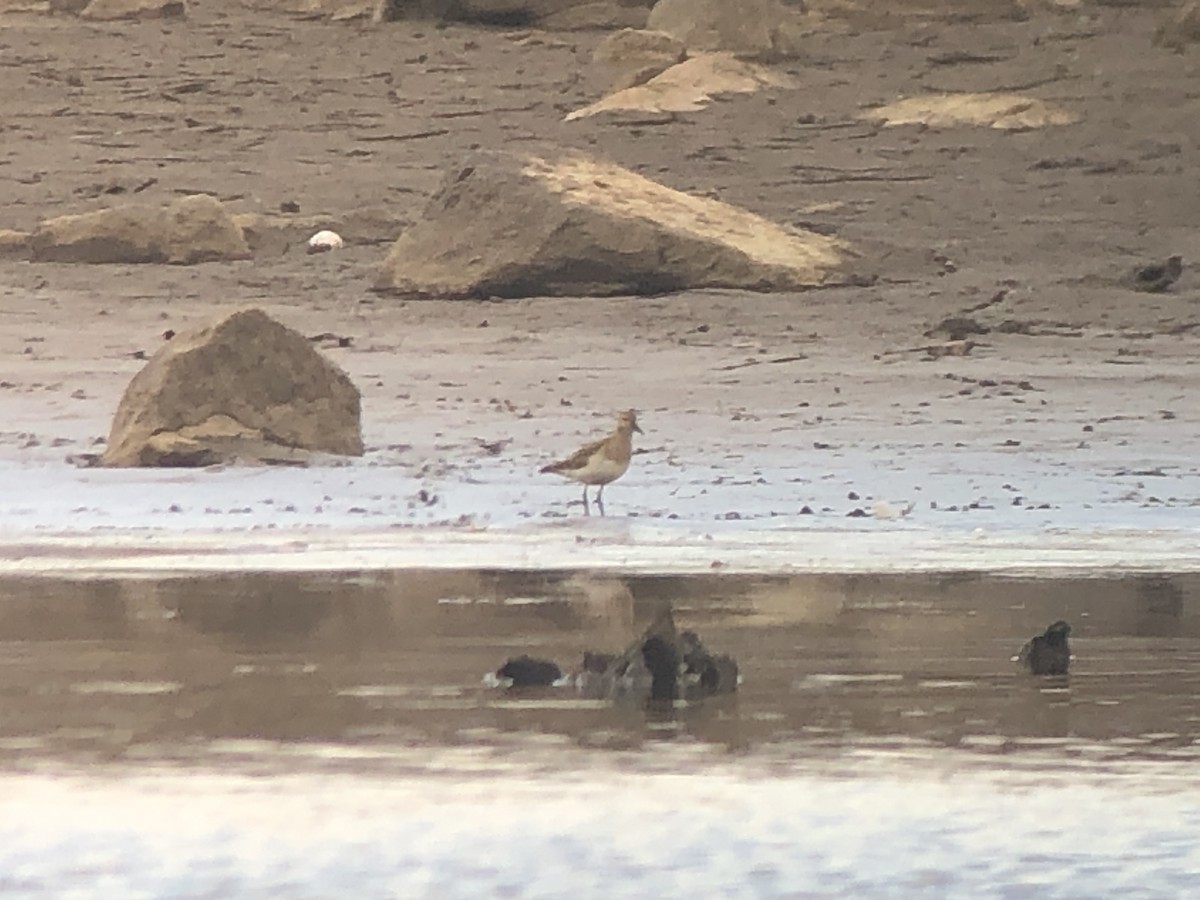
(600, 462)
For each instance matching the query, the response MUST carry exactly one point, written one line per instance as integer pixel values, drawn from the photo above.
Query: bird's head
(627, 421)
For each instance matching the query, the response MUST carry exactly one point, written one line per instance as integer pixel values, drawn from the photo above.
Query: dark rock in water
(525, 671)
(1048, 653)
(662, 664)
(607, 675)
(706, 673)
(720, 676)
(662, 661)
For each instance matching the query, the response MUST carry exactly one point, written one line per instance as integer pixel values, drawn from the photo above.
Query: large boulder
(754, 29)
(190, 230)
(567, 224)
(247, 389)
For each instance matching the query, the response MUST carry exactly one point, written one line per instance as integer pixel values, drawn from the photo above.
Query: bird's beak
(638, 428)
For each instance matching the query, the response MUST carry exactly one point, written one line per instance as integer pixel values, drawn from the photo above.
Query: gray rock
(247, 389)
(190, 230)
(662, 665)
(567, 224)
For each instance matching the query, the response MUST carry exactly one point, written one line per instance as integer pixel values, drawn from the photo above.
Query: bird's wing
(576, 460)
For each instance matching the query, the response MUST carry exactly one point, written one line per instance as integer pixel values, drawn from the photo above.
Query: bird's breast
(601, 469)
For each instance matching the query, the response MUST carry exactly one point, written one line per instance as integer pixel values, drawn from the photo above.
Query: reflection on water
(856, 691)
(104, 667)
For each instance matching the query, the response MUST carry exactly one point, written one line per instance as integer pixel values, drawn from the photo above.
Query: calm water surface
(333, 735)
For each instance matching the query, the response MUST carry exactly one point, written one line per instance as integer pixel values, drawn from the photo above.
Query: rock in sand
(1003, 111)
(190, 230)
(509, 225)
(246, 389)
(687, 86)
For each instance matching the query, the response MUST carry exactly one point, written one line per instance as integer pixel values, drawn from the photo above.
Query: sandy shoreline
(1069, 440)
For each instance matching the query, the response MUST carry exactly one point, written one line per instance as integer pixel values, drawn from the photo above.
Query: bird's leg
(586, 509)
(600, 499)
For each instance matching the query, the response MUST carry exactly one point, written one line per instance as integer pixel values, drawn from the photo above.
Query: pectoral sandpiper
(600, 462)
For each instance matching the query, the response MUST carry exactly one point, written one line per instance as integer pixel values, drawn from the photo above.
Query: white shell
(323, 241)
(887, 512)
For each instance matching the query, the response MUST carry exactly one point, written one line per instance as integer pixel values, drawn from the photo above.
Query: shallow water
(324, 735)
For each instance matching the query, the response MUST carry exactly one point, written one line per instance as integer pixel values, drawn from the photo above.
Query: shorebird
(1049, 653)
(600, 462)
